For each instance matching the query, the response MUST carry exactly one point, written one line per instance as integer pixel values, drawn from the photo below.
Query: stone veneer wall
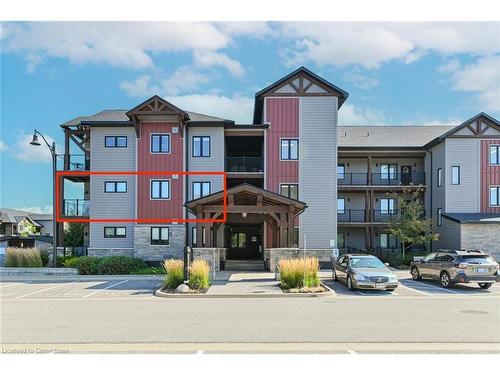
(212, 255)
(144, 250)
(484, 237)
(273, 255)
(110, 252)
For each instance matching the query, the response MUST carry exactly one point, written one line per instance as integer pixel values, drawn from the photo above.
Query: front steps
(244, 265)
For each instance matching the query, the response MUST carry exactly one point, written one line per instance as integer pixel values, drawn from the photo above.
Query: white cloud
(372, 44)
(481, 78)
(124, 44)
(3, 146)
(253, 29)
(353, 115)
(237, 108)
(210, 58)
(183, 80)
(29, 153)
(37, 209)
(361, 80)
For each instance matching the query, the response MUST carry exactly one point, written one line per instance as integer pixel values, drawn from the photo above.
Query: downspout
(186, 210)
(431, 189)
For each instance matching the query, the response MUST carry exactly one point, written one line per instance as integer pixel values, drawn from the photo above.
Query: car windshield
(366, 262)
(476, 259)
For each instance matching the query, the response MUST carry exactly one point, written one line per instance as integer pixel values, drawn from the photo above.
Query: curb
(329, 293)
(77, 277)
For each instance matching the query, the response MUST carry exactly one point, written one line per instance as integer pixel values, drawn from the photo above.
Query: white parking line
(414, 290)
(2, 287)
(43, 290)
(108, 287)
(441, 289)
(350, 351)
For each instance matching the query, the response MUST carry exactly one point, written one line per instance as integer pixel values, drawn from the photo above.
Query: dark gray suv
(457, 266)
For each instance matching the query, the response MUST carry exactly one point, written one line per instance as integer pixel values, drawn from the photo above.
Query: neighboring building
(16, 222)
(295, 178)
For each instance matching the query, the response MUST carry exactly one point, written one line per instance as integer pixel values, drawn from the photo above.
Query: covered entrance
(253, 215)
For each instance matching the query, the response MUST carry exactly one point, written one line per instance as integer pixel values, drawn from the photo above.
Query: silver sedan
(361, 271)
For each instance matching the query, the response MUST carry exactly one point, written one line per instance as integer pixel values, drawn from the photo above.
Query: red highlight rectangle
(60, 174)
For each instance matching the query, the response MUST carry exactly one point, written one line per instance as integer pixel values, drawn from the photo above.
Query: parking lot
(411, 288)
(80, 289)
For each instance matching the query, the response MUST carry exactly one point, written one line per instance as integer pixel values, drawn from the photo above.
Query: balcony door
(406, 174)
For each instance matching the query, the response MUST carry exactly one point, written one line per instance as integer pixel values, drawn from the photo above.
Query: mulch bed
(314, 289)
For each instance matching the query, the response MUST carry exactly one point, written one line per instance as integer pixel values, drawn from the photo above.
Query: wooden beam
(282, 228)
(290, 229)
(247, 209)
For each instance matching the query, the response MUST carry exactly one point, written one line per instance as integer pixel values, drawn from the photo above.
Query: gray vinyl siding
(317, 170)
(112, 205)
(438, 193)
(466, 196)
(449, 235)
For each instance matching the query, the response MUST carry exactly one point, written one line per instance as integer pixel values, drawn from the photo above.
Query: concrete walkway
(244, 282)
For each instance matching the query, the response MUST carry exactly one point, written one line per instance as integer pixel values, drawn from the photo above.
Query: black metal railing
(385, 216)
(381, 179)
(244, 164)
(352, 216)
(76, 207)
(73, 162)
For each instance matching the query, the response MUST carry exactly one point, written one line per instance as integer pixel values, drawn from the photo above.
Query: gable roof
(8, 215)
(259, 101)
(478, 130)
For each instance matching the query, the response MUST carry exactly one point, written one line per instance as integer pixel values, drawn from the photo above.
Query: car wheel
(349, 283)
(334, 275)
(485, 285)
(415, 275)
(445, 280)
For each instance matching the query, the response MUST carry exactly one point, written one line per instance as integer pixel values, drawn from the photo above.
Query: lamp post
(52, 149)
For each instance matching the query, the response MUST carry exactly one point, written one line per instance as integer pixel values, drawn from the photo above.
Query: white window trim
(489, 155)
(345, 208)
(298, 148)
(169, 189)
(459, 175)
(160, 152)
(160, 226)
(489, 196)
(439, 179)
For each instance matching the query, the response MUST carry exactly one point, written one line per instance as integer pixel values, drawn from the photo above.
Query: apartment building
(294, 178)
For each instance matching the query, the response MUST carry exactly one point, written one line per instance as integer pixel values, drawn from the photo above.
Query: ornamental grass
(174, 268)
(23, 257)
(199, 275)
(299, 273)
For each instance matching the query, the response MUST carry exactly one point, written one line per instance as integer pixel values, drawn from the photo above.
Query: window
(439, 218)
(444, 258)
(159, 236)
(193, 236)
(494, 195)
(290, 190)
(289, 149)
(340, 240)
(295, 237)
(115, 141)
(341, 171)
(160, 143)
(115, 232)
(439, 177)
(341, 205)
(201, 147)
(387, 205)
(160, 189)
(115, 186)
(238, 240)
(495, 155)
(200, 189)
(387, 241)
(455, 175)
(388, 171)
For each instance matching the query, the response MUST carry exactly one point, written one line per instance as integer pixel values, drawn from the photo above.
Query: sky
(395, 73)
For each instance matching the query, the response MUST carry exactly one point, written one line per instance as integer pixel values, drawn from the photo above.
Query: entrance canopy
(250, 202)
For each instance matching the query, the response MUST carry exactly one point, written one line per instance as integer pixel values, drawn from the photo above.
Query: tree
(73, 235)
(411, 227)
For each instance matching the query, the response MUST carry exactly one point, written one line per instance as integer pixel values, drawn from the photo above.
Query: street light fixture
(52, 149)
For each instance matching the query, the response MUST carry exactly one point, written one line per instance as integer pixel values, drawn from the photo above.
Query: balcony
(73, 162)
(244, 164)
(381, 179)
(367, 216)
(76, 207)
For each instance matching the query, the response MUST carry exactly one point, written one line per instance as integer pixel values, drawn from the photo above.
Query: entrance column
(290, 226)
(199, 227)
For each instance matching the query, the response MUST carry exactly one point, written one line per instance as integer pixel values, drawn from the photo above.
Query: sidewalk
(244, 282)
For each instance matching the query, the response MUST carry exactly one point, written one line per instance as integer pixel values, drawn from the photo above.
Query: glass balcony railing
(245, 164)
(75, 207)
(73, 162)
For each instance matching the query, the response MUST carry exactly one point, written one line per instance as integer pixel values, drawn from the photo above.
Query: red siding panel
(490, 175)
(283, 115)
(147, 208)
